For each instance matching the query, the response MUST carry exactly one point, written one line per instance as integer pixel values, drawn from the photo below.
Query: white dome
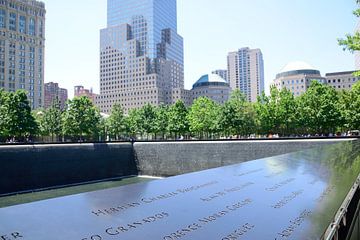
(297, 65)
(209, 79)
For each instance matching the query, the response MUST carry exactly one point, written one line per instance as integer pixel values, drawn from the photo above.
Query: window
(12, 21)
(32, 26)
(2, 18)
(22, 24)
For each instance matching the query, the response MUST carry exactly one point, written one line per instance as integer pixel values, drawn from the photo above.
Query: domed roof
(296, 68)
(297, 65)
(209, 79)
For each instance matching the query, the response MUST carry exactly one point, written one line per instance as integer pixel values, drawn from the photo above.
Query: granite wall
(29, 167)
(174, 158)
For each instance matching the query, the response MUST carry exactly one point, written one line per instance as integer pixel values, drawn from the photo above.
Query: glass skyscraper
(141, 54)
(148, 18)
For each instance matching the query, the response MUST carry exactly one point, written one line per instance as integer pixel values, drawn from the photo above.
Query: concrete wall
(29, 167)
(40, 166)
(174, 158)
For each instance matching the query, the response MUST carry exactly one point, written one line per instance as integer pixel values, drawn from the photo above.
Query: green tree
(81, 118)
(350, 107)
(286, 112)
(134, 123)
(204, 117)
(18, 122)
(51, 121)
(177, 119)
(116, 122)
(162, 120)
(319, 109)
(3, 115)
(238, 115)
(266, 109)
(352, 41)
(148, 118)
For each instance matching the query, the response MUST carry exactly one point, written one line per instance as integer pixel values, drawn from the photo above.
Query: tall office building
(141, 54)
(22, 44)
(246, 72)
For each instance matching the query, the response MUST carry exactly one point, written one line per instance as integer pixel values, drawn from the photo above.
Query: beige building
(141, 56)
(341, 80)
(246, 72)
(212, 86)
(22, 44)
(296, 77)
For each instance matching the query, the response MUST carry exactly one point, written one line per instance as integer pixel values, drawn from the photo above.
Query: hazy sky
(285, 30)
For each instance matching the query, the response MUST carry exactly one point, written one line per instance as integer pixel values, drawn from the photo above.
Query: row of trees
(321, 110)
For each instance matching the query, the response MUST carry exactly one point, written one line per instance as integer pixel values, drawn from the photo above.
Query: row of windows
(21, 23)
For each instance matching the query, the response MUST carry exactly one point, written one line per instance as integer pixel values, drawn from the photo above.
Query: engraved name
(295, 223)
(280, 184)
(326, 192)
(238, 233)
(287, 199)
(206, 220)
(225, 192)
(11, 236)
(147, 200)
(117, 230)
(249, 172)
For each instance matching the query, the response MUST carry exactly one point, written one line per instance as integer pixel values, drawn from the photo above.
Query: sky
(284, 30)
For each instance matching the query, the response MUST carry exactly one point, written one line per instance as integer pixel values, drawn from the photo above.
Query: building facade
(222, 73)
(212, 86)
(341, 80)
(141, 54)
(22, 45)
(80, 91)
(246, 72)
(53, 92)
(296, 77)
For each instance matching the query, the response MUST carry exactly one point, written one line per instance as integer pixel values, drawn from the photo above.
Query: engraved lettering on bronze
(326, 192)
(114, 231)
(93, 237)
(194, 188)
(274, 174)
(295, 223)
(14, 235)
(238, 233)
(249, 172)
(279, 185)
(116, 209)
(287, 199)
(206, 220)
(147, 200)
(225, 192)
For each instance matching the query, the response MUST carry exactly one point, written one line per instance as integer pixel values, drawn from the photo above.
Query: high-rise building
(297, 76)
(246, 72)
(22, 44)
(141, 54)
(80, 91)
(54, 92)
(222, 73)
